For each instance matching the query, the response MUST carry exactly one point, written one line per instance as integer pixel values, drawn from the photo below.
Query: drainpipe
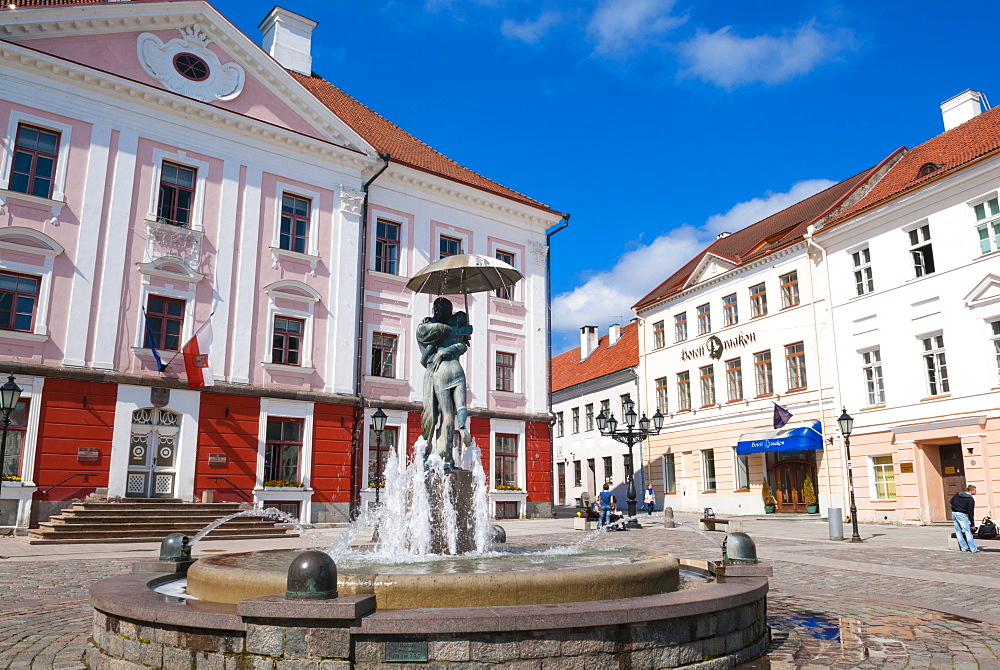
(359, 412)
(548, 345)
(808, 236)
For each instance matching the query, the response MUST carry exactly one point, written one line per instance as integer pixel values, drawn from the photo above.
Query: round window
(191, 67)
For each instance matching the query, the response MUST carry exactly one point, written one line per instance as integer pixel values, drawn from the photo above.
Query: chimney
(288, 38)
(588, 341)
(614, 333)
(961, 108)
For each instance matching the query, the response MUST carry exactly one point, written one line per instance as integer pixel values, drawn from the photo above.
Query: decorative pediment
(186, 65)
(292, 289)
(710, 266)
(27, 239)
(986, 292)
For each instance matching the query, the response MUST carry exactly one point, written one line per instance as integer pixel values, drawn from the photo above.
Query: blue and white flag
(781, 416)
(152, 347)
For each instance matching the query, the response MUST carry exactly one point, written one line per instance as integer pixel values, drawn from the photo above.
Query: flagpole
(188, 341)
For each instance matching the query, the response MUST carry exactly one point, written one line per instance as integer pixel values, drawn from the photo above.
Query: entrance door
(152, 454)
(562, 484)
(952, 473)
(788, 478)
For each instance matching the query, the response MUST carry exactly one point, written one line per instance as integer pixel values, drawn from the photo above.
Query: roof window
(928, 168)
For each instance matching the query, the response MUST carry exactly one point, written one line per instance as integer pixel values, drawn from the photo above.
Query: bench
(980, 542)
(710, 522)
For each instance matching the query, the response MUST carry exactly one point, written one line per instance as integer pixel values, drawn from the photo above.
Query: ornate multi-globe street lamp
(10, 393)
(608, 426)
(378, 419)
(846, 426)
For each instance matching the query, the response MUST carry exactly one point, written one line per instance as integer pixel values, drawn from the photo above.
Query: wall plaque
(159, 397)
(87, 454)
(406, 651)
(217, 459)
(905, 468)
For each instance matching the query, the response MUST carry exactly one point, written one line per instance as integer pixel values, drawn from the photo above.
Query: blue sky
(654, 123)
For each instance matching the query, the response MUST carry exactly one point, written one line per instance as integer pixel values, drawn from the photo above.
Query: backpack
(987, 529)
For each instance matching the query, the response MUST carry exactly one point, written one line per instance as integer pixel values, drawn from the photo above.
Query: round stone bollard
(668, 518)
(311, 576)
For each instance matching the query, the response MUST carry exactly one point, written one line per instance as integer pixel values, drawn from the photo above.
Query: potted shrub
(770, 505)
(809, 495)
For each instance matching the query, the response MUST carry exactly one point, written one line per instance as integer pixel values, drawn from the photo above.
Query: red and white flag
(196, 363)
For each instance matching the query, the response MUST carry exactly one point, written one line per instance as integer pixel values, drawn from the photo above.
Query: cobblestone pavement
(899, 600)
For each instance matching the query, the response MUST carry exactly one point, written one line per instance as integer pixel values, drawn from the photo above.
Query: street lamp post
(846, 426)
(608, 426)
(378, 418)
(10, 393)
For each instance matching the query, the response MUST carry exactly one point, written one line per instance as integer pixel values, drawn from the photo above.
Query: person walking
(649, 500)
(605, 498)
(963, 513)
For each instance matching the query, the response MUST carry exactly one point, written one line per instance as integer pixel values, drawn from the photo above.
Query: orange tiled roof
(949, 151)
(404, 148)
(381, 133)
(776, 231)
(568, 370)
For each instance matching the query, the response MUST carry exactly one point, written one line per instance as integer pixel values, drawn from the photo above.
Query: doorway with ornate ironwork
(152, 471)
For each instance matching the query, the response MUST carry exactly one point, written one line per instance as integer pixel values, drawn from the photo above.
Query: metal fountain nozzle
(738, 549)
(175, 548)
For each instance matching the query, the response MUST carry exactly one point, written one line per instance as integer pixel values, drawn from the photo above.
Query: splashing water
(700, 532)
(256, 511)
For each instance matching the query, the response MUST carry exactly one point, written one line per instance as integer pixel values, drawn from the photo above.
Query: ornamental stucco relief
(161, 61)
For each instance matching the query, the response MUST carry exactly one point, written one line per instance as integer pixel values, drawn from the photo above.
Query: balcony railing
(168, 239)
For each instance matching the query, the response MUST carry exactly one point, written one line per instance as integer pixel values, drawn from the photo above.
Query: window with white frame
(935, 365)
(707, 378)
(734, 379)
(606, 407)
(379, 448)
(577, 473)
(988, 225)
(293, 234)
(758, 300)
(282, 450)
(704, 319)
(506, 292)
(742, 473)
(292, 300)
(576, 420)
(708, 482)
(680, 327)
(387, 235)
(669, 474)
(449, 246)
(995, 338)
(789, 289)
(871, 366)
(18, 301)
(286, 341)
(921, 250)
(589, 416)
(505, 461)
(560, 425)
(16, 431)
(26, 287)
(609, 471)
(683, 391)
(659, 339)
(864, 282)
(883, 478)
(384, 355)
(661, 394)
(730, 310)
(164, 322)
(763, 378)
(175, 199)
(35, 156)
(795, 365)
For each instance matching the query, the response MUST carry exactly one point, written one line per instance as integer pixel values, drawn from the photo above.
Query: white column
(246, 280)
(224, 260)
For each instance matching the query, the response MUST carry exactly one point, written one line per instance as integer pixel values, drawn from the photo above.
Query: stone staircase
(148, 520)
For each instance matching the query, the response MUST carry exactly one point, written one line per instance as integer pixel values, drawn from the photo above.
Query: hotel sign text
(714, 346)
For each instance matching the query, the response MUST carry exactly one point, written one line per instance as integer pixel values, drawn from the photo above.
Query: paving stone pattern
(897, 601)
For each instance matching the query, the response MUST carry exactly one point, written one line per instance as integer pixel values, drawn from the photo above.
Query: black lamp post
(846, 426)
(10, 393)
(630, 436)
(378, 418)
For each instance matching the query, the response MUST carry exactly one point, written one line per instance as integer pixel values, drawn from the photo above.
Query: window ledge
(871, 407)
(790, 306)
(278, 253)
(800, 389)
(156, 224)
(764, 395)
(294, 369)
(55, 205)
(386, 380)
(734, 400)
(19, 335)
(148, 353)
(941, 396)
(388, 275)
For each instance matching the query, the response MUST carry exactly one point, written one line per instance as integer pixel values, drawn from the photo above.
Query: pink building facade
(162, 176)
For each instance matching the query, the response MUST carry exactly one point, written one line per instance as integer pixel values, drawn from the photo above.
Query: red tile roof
(950, 151)
(776, 231)
(381, 133)
(568, 370)
(404, 148)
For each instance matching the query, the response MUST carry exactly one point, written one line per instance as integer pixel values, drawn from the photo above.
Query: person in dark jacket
(963, 511)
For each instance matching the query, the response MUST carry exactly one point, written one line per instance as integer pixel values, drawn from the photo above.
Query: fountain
(430, 588)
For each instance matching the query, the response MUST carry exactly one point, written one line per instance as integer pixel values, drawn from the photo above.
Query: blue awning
(793, 436)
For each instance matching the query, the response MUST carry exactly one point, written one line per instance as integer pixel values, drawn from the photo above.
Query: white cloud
(529, 31)
(606, 296)
(725, 59)
(618, 25)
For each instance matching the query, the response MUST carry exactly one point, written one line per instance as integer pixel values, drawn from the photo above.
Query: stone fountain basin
(501, 580)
